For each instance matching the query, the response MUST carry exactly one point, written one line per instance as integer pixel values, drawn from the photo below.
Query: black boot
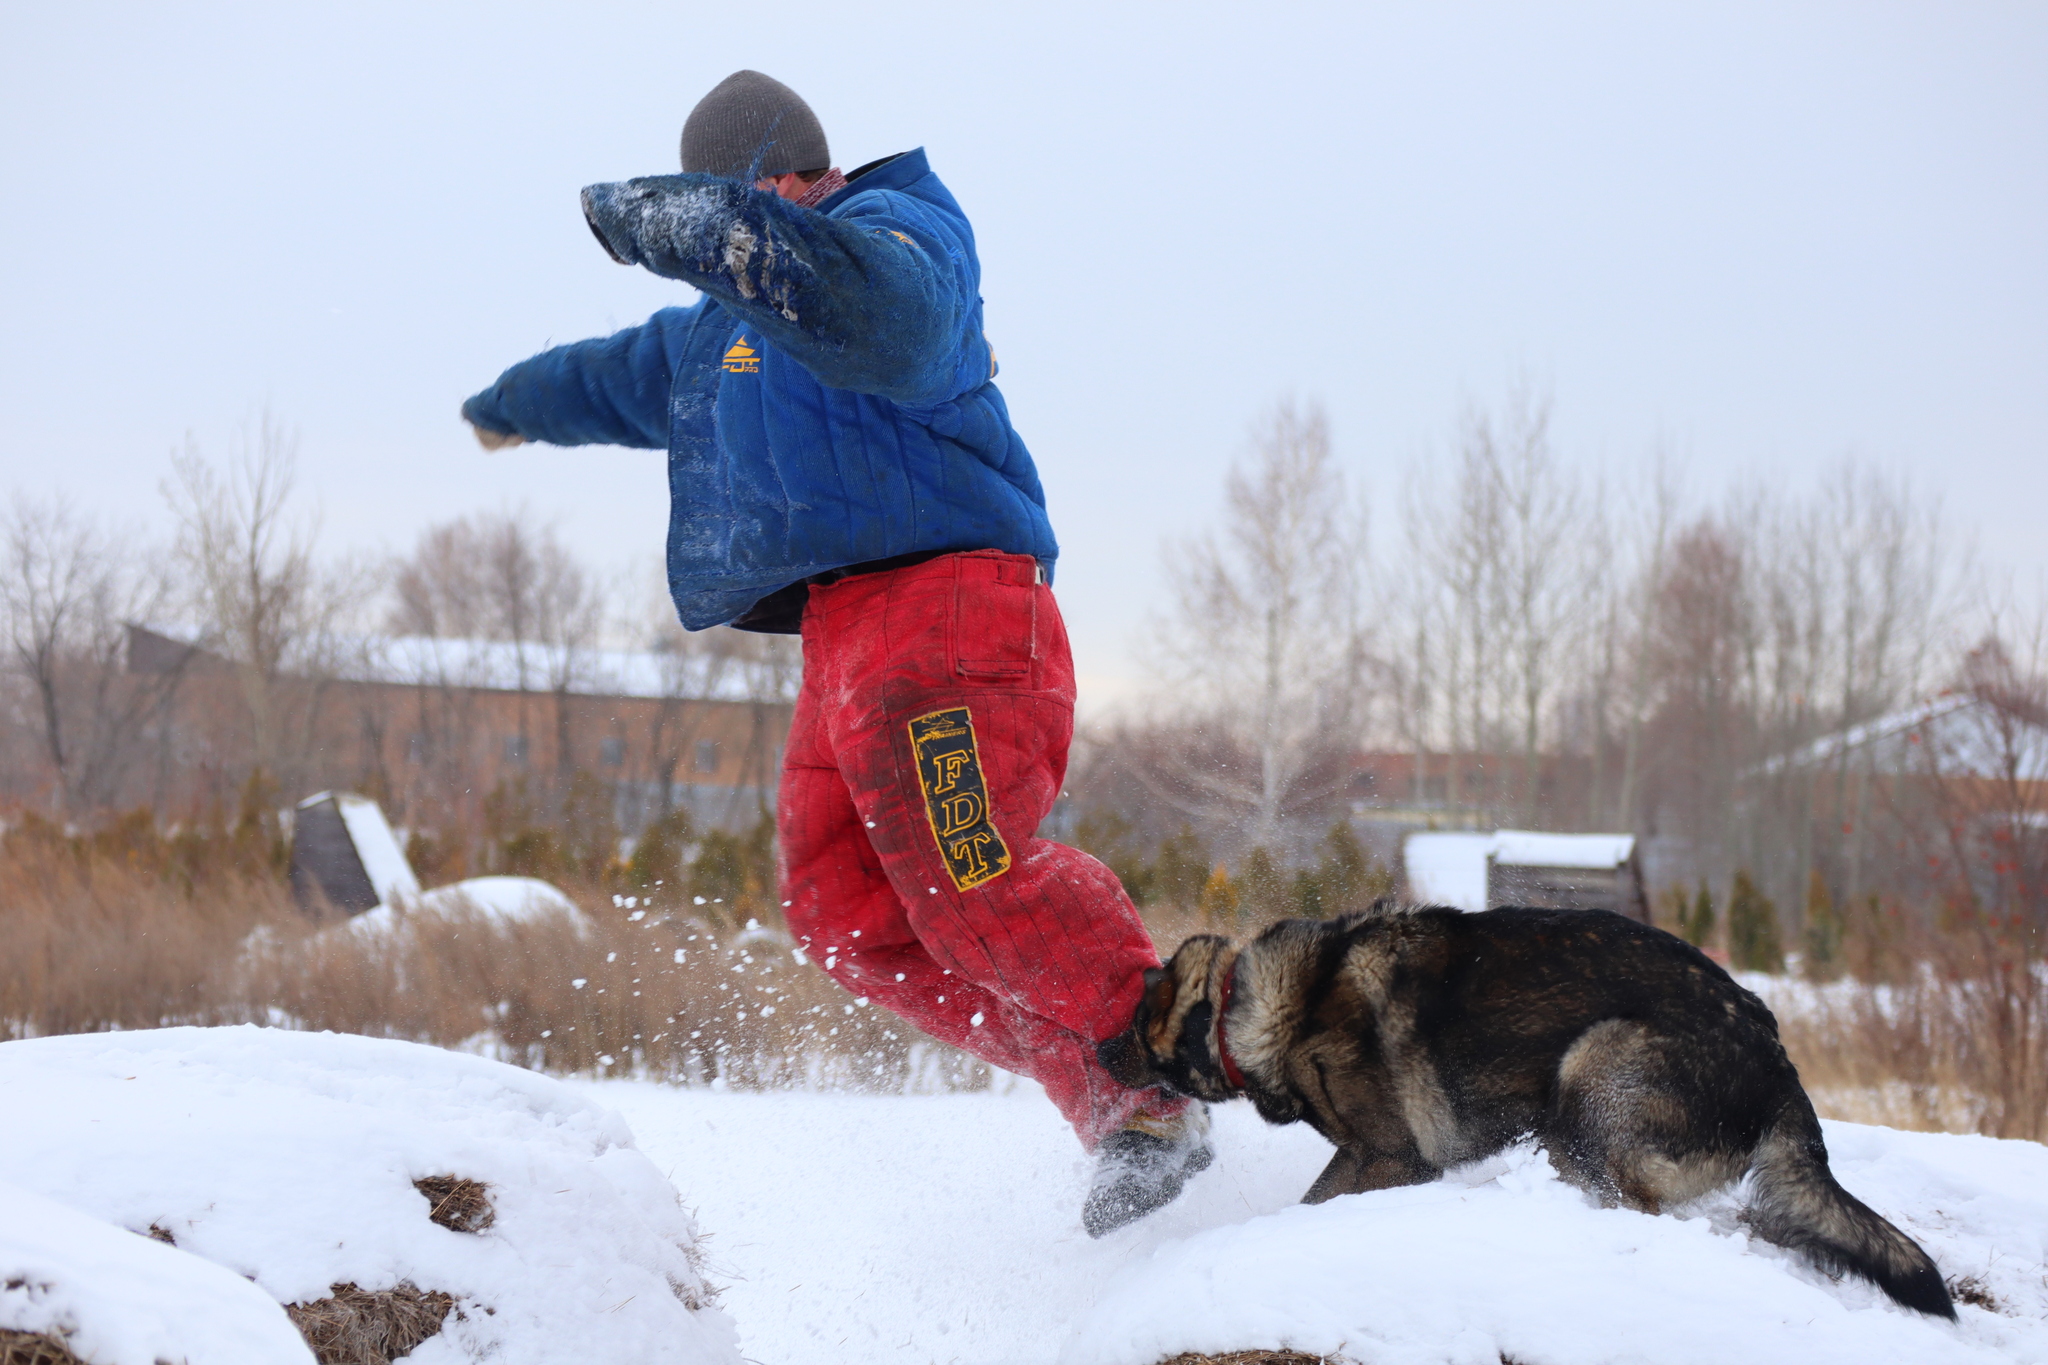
(1142, 1166)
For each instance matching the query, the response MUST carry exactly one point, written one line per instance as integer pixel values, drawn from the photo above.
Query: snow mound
(946, 1228)
(119, 1299)
(291, 1158)
(1503, 1260)
(503, 900)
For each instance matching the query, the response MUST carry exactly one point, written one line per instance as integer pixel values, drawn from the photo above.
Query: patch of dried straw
(369, 1327)
(458, 1203)
(34, 1348)
(1253, 1358)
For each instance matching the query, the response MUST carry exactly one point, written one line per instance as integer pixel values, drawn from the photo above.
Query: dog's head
(1172, 1039)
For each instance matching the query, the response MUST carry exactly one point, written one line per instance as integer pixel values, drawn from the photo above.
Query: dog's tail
(1798, 1204)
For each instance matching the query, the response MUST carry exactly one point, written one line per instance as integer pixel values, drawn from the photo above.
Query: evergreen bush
(1753, 941)
(1218, 903)
(1823, 935)
(1697, 926)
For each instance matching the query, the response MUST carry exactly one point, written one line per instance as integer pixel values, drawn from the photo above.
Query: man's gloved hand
(675, 225)
(716, 234)
(497, 440)
(859, 304)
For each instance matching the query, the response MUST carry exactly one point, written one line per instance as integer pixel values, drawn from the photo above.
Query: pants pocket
(995, 631)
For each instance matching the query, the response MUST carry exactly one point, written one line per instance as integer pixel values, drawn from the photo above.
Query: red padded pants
(929, 740)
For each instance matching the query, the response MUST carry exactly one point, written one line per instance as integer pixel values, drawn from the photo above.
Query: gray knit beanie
(750, 126)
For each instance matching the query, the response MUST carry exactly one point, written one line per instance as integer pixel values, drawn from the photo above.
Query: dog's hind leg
(1618, 1127)
(1589, 1107)
(1354, 1170)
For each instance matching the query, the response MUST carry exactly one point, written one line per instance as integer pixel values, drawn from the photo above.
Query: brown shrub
(1960, 1045)
(96, 942)
(652, 995)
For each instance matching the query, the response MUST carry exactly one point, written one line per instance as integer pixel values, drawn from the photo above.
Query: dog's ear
(1160, 988)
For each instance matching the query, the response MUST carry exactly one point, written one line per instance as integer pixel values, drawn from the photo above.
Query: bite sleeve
(859, 302)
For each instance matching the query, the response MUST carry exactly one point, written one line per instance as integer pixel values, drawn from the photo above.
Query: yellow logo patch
(956, 797)
(742, 358)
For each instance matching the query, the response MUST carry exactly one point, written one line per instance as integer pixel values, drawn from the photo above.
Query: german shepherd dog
(1417, 1038)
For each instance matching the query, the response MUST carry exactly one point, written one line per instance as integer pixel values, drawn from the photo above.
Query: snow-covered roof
(1955, 734)
(503, 665)
(1524, 848)
(1451, 868)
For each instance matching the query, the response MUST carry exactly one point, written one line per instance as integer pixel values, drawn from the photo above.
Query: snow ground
(914, 1230)
(290, 1158)
(120, 1299)
(945, 1229)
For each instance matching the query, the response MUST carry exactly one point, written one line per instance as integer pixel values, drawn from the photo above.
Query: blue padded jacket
(829, 402)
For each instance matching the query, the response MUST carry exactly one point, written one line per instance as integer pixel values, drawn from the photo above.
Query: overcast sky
(1762, 236)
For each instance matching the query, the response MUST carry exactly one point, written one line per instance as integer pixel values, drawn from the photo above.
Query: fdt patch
(956, 797)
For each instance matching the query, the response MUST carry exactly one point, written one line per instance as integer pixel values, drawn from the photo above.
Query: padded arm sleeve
(859, 302)
(607, 391)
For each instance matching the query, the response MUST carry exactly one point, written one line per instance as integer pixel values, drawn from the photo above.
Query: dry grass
(639, 989)
(1959, 1041)
(1955, 1041)
(1254, 1358)
(633, 991)
(369, 1327)
(1964, 1054)
(457, 1202)
(34, 1348)
(88, 944)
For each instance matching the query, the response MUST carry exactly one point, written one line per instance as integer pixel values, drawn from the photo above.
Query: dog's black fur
(1416, 1038)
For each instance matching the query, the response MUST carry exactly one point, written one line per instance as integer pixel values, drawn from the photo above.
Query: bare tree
(1455, 567)
(1635, 630)
(1266, 644)
(68, 591)
(495, 580)
(1543, 566)
(1501, 571)
(501, 577)
(437, 590)
(1859, 591)
(264, 603)
(1702, 733)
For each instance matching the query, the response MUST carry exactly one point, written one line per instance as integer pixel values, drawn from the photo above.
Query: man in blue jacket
(841, 465)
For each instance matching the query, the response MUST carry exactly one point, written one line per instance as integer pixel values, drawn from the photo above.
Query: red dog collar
(1230, 1071)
